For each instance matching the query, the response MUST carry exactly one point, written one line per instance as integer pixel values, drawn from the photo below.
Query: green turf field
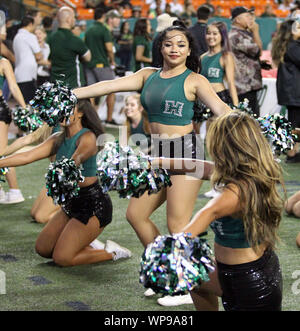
(34, 283)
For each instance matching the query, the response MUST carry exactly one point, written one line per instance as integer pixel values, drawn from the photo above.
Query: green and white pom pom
(176, 264)
(55, 102)
(127, 172)
(62, 179)
(26, 119)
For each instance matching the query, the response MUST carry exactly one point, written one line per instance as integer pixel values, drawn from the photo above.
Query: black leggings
(252, 286)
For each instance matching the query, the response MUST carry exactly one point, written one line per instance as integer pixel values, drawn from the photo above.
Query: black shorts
(91, 201)
(5, 112)
(252, 286)
(294, 116)
(225, 96)
(189, 146)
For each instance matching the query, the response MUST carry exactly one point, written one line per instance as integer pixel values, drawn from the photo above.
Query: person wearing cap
(198, 30)
(246, 46)
(99, 40)
(163, 21)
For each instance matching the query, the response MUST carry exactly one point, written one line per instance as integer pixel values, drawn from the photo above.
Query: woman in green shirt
(142, 44)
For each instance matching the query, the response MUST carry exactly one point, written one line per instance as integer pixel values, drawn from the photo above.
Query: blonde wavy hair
(243, 157)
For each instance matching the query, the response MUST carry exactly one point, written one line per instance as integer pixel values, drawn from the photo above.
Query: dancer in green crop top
(170, 116)
(217, 65)
(245, 217)
(70, 231)
(14, 195)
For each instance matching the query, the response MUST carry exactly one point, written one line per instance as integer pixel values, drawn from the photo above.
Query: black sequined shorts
(189, 146)
(5, 112)
(252, 286)
(91, 201)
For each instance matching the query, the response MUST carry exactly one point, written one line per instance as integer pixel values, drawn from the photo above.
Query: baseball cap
(113, 13)
(236, 11)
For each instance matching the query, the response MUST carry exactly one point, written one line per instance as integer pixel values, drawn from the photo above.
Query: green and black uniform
(141, 41)
(65, 52)
(90, 201)
(5, 115)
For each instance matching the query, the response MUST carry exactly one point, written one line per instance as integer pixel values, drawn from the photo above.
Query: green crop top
(165, 101)
(211, 68)
(229, 232)
(2, 78)
(67, 149)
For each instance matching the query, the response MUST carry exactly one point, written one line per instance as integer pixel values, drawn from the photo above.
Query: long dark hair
(140, 28)
(222, 28)
(89, 120)
(192, 61)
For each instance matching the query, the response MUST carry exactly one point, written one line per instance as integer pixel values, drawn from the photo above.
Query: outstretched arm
(223, 205)
(133, 82)
(204, 91)
(38, 153)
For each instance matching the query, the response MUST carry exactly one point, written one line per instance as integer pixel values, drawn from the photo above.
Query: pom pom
(54, 101)
(122, 170)
(201, 112)
(26, 119)
(176, 264)
(278, 130)
(62, 180)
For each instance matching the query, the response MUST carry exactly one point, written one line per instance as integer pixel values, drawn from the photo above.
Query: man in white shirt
(27, 53)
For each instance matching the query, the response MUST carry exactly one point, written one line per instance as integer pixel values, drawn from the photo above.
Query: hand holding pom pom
(175, 264)
(123, 170)
(62, 180)
(54, 101)
(26, 119)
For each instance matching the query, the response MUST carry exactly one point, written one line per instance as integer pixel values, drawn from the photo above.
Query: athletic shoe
(97, 244)
(12, 197)
(212, 193)
(175, 300)
(149, 292)
(2, 195)
(119, 251)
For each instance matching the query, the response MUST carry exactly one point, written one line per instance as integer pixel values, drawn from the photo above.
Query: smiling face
(132, 107)
(213, 36)
(175, 48)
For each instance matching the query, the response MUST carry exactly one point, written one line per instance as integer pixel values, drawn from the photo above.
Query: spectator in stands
(286, 56)
(136, 11)
(82, 25)
(176, 7)
(218, 11)
(125, 45)
(157, 3)
(66, 51)
(188, 10)
(169, 11)
(113, 20)
(93, 3)
(27, 53)
(43, 73)
(47, 24)
(268, 11)
(142, 44)
(99, 40)
(198, 30)
(37, 16)
(286, 5)
(246, 46)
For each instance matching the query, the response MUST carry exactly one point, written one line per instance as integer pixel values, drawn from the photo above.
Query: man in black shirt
(198, 30)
